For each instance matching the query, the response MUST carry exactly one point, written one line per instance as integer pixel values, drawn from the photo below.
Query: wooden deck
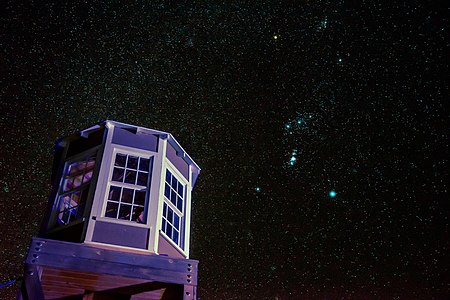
(64, 270)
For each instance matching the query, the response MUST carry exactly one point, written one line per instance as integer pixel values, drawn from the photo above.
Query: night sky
(320, 128)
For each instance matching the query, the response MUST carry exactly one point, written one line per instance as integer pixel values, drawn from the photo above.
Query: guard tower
(117, 224)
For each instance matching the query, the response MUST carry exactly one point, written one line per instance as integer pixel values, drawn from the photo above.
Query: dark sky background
(280, 103)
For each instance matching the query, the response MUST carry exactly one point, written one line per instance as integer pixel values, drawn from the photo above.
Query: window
(128, 188)
(74, 190)
(173, 208)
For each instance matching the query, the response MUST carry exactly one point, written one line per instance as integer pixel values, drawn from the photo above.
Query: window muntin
(74, 190)
(173, 207)
(126, 199)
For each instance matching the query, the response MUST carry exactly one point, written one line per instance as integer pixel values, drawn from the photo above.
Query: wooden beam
(32, 289)
(86, 258)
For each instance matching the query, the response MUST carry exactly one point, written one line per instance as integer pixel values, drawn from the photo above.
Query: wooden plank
(91, 252)
(75, 275)
(81, 257)
(112, 268)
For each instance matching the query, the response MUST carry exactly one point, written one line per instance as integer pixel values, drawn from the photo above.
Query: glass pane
(75, 199)
(90, 164)
(180, 189)
(111, 210)
(142, 179)
(132, 162)
(64, 203)
(138, 214)
(87, 176)
(175, 236)
(179, 203)
(114, 193)
(168, 176)
(120, 160)
(63, 217)
(77, 181)
(169, 230)
(170, 215)
(68, 185)
(144, 164)
(139, 197)
(125, 212)
(76, 168)
(79, 214)
(167, 191)
(118, 174)
(176, 221)
(127, 195)
(163, 225)
(165, 210)
(173, 197)
(174, 182)
(130, 176)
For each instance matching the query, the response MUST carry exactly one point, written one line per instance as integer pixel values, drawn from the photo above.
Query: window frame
(84, 187)
(181, 246)
(109, 182)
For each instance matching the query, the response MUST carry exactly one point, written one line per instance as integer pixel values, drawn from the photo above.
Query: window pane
(132, 162)
(170, 215)
(76, 168)
(168, 176)
(175, 236)
(167, 191)
(79, 214)
(169, 230)
(90, 163)
(176, 221)
(77, 181)
(125, 212)
(114, 193)
(63, 217)
(111, 210)
(139, 197)
(142, 179)
(120, 160)
(87, 176)
(118, 175)
(64, 203)
(75, 199)
(138, 214)
(127, 195)
(179, 203)
(130, 177)
(173, 197)
(165, 210)
(164, 225)
(180, 189)
(174, 182)
(144, 164)
(68, 185)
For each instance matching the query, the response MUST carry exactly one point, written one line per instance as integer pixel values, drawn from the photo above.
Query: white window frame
(182, 234)
(130, 152)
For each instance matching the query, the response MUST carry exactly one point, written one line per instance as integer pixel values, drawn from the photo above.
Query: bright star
(258, 189)
(275, 37)
(332, 194)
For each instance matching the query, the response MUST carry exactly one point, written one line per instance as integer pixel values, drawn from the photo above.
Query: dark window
(173, 207)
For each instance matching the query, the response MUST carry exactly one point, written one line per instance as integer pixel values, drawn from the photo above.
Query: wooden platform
(63, 270)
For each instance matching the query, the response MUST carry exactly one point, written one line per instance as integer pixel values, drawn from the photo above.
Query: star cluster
(320, 128)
